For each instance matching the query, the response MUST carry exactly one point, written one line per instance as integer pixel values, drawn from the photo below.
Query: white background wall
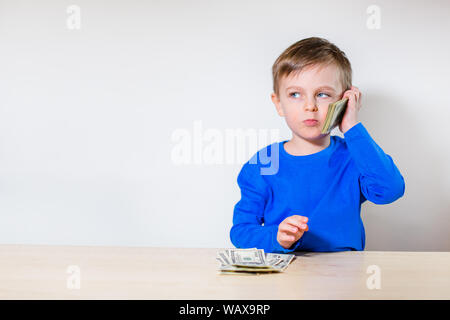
(87, 116)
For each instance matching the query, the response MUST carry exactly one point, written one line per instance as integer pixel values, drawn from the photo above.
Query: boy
(313, 201)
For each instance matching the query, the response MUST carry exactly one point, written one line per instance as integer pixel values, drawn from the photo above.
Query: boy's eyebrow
(321, 87)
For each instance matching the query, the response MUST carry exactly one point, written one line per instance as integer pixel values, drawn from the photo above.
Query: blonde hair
(308, 52)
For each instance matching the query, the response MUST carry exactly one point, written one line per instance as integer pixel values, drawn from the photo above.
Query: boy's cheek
(291, 112)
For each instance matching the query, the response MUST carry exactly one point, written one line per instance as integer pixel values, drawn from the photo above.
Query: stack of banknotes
(252, 261)
(335, 114)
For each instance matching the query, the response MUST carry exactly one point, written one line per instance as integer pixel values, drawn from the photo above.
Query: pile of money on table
(252, 261)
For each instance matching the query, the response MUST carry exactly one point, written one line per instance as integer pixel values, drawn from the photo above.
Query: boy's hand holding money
(291, 230)
(351, 113)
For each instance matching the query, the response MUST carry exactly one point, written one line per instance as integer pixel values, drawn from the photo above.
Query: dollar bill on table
(252, 260)
(335, 114)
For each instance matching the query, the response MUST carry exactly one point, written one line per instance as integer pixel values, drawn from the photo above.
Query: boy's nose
(311, 107)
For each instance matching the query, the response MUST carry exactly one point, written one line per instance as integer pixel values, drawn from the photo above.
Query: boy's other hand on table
(291, 230)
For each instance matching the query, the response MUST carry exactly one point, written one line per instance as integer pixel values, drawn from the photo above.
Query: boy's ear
(276, 102)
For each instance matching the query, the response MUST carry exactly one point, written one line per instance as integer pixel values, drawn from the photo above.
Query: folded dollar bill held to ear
(335, 114)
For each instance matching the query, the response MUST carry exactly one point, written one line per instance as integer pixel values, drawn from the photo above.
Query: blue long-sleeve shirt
(328, 187)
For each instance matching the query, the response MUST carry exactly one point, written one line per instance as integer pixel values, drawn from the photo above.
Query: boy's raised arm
(380, 180)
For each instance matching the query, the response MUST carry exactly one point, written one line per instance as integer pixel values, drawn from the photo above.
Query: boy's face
(306, 95)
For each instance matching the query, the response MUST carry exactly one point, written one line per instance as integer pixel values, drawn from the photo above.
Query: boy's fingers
(290, 228)
(296, 230)
(287, 237)
(297, 220)
(349, 94)
(300, 227)
(302, 218)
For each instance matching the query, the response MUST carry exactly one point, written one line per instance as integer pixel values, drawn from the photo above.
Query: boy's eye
(297, 94)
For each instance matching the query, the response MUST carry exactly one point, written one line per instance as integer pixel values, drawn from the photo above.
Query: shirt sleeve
(380, 180)
(248, 230)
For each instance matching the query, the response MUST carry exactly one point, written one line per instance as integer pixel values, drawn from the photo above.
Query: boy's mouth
(311, 122)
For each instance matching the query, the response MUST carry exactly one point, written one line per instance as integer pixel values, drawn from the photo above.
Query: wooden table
(41, 272)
